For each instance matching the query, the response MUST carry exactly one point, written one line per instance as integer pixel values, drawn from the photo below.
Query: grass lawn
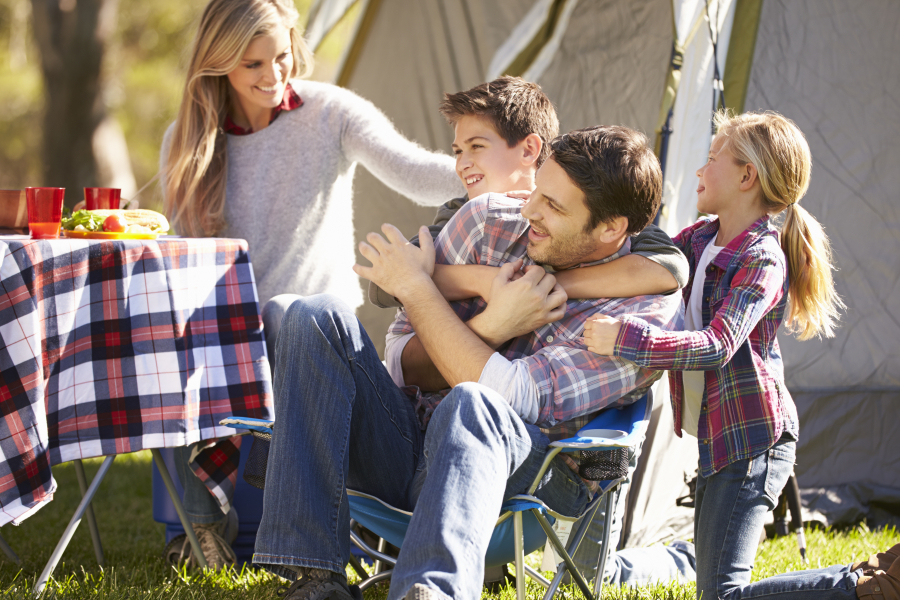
(132, 543)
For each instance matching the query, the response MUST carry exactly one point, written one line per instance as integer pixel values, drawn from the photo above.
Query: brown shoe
(878, 562)
(880, 585)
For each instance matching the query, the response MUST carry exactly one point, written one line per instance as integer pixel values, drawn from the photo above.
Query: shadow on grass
(132, 544)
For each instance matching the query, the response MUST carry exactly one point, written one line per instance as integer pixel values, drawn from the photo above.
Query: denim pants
(342, 423)
(730, 508)
(632, 566)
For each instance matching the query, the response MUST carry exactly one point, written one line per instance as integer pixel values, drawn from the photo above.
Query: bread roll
(150, 219)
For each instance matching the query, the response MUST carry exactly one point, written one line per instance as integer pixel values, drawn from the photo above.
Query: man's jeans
(342, 423)
(731, 506)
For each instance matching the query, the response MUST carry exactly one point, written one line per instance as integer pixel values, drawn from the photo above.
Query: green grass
(132, 542)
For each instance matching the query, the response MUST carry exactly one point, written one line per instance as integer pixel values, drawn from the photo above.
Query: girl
(727, 376)
(257, 153)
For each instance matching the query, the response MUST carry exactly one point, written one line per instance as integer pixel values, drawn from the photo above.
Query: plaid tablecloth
(116, 346)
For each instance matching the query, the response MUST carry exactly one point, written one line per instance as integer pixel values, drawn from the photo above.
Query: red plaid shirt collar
(290, 101)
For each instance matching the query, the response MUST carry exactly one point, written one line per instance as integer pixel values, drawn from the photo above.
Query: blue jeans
(728, 520)
(342, 423)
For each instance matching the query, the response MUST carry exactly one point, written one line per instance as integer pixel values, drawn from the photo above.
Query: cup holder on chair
(258, 460)
(602, 465)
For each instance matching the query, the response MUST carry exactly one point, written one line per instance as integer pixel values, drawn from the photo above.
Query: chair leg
(358, 568)
(604, 547)
(73, 525)
(570, 564)
(8, 551)
(519, 536)
(537, 576)
(382, 545)
(554, 585)
(92, 522)
(179, 508)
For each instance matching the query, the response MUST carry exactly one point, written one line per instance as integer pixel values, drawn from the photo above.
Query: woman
(259, 154)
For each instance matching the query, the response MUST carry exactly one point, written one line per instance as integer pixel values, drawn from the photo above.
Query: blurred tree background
(143, 45)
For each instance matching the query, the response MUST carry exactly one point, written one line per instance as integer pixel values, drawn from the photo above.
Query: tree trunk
(72, 36)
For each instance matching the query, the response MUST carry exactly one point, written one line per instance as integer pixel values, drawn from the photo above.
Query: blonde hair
(197, 161)
(778, 149)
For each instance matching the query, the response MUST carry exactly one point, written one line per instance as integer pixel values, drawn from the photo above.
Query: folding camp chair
(525, 522)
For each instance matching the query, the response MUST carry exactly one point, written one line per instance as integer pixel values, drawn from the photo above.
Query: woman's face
(258, 81)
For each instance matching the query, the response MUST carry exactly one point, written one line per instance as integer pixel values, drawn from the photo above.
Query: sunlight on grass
(132, 544)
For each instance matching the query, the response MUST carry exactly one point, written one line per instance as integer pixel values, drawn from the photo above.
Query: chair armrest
(260, 425)
(612, 428)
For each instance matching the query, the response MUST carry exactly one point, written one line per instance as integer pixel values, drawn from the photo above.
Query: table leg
(9, 551)
(179, 508)
(73, 525)
(92, 522)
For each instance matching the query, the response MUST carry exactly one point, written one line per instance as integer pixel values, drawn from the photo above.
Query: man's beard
(563, 252)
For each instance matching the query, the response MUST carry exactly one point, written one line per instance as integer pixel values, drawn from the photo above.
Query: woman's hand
(600, 334)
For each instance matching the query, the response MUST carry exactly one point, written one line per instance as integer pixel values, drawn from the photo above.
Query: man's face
(484, 161)
(559, 216)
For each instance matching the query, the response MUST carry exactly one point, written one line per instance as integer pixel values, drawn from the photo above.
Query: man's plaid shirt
(746, 406)
(572, 383)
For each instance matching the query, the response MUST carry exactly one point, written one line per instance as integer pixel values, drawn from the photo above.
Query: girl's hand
(600, 334)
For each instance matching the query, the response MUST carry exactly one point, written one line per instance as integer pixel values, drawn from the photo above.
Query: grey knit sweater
(289, 188)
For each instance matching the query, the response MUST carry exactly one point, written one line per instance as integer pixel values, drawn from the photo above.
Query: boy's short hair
(515, 108)
(616, 170)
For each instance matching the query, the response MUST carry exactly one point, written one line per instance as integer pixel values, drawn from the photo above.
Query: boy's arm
(655, 266)
(445, 212)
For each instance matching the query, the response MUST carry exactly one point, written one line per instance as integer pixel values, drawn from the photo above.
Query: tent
(658, 66)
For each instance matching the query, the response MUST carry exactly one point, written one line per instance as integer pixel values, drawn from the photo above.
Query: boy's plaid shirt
(572, 383)
(746, 405)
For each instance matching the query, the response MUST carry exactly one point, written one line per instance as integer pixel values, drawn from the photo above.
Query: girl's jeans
(341, 423)
(731, 506)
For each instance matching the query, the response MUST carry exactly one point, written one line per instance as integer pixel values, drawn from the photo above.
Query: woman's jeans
(342, 423)
(730, 509)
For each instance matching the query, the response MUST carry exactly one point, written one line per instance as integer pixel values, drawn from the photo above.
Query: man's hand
(600, 335)
(397, 266)
(519, 303)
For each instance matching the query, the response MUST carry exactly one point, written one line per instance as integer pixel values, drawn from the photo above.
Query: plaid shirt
(115, 346)
(572, 384)
(289, 101)
(746, 406)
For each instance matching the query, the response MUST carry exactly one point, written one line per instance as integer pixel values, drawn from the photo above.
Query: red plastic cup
(97, 198)
(44, 211)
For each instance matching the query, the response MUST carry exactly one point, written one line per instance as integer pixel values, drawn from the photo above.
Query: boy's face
(485, 163)
(559, 218)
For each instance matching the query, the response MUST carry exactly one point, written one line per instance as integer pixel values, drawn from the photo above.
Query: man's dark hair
(616, 170)
(515, 108)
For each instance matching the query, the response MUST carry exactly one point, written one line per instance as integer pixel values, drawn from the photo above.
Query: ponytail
(778, 150)
(813, 303)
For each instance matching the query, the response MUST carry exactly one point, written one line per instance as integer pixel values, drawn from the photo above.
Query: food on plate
(117, 221)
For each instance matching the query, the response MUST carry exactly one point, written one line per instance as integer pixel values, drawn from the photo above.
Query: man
(521, 375)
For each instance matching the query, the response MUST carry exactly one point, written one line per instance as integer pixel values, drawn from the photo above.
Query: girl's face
(720, 179)
(258, 81)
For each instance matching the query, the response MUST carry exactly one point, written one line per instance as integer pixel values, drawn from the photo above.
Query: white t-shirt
(695, 381)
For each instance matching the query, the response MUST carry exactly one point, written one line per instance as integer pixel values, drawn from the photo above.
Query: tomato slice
(115, 224)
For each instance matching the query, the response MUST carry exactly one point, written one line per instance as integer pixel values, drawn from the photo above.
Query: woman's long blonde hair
(778, 150)
(196, 166)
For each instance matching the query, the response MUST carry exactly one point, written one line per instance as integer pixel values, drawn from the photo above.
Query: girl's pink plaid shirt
(746, 406)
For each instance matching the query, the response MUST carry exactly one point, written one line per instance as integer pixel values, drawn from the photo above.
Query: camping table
(108, 347)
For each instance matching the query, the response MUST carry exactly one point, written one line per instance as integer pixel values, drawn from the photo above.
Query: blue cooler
(248, 501)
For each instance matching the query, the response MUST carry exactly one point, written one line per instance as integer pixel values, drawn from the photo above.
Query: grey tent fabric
(827, 65)
(833, 70)
(611, 65)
